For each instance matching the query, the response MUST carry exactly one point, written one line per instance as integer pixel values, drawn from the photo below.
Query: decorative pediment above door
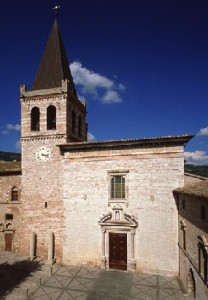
(118, 218)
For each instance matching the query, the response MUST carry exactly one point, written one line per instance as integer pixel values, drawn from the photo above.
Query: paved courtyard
(23, 279)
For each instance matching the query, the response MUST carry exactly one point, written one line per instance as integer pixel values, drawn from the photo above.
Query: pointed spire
(54, 66)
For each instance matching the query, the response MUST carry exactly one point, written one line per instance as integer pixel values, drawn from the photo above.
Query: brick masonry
(7, 206)
(42, 182)
(42, 197)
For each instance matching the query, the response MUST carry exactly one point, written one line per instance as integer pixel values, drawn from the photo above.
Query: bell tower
(51, 114)
(52, 107)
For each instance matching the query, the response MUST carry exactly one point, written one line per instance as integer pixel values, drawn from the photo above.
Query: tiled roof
(144, 142)
(54, 66)
(10, 167)
(199, 189)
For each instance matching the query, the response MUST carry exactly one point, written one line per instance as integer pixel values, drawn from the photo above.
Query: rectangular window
(183, 204)
(203, 213)
(118, 187)
(14, 194)
(9, 216)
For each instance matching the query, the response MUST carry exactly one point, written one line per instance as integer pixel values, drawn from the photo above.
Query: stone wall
(42, 197)
(153, 173)
(9, 207)
(191, 224)
(42, 182)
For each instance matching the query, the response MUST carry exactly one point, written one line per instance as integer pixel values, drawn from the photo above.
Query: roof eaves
(129, 143)
(199, 189)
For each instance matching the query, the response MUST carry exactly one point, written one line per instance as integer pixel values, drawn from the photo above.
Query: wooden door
(8, 241)
(118, 251)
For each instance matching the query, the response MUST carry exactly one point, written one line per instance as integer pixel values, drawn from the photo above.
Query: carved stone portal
(117, 221)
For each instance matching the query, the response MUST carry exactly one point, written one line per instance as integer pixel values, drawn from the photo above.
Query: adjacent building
(193, 238)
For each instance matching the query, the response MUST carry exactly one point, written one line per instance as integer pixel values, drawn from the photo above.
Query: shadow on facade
(14, 274)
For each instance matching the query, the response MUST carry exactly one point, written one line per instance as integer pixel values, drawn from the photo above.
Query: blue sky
(142, 65)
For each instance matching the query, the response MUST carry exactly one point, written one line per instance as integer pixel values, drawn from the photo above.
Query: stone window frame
(111, 174)
(203, 258)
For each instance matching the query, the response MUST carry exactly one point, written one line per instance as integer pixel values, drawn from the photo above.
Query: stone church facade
(108, 204)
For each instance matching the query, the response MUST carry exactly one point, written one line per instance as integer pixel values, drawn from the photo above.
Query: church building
(104, 203)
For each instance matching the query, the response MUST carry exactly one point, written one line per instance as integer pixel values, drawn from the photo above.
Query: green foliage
(197, 170)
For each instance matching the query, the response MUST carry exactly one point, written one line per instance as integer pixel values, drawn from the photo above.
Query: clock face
(43, 154)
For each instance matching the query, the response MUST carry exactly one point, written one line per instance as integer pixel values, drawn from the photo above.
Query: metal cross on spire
(56, 10)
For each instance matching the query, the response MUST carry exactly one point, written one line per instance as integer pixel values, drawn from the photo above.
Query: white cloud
(88, 79)
(99, 86)
(111, 97)
(11, 127)
(121, 87)
(90, 137)
(16, 127)
(5, 132)
(203, 132)
(197, 157)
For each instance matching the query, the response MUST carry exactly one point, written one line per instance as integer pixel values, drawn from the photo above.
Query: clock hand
(43, 154)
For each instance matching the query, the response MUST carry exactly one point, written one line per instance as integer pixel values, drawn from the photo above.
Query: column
(32, 245)
(132, 244)
(51, 248)
(103, 258)
(132, 260)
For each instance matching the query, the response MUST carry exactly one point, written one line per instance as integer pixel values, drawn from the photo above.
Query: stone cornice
(125, 144)
(43, 137)
(42, 97)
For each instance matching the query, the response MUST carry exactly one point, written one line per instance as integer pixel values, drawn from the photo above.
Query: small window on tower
(35, 119)
(51, 117)
(14, 194)
(9, 217)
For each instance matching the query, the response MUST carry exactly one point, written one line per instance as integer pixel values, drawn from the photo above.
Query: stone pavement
(23, 280)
